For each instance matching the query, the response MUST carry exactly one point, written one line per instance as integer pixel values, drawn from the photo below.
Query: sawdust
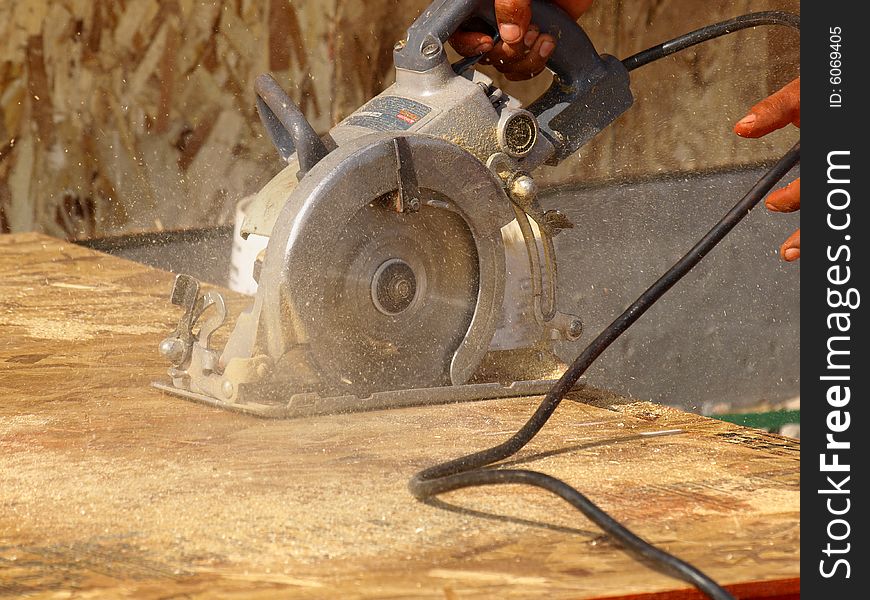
(195, 492)
(72, 331)
(15, 423)
(192, 491)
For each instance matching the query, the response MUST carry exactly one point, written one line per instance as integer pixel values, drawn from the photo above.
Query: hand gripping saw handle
(589, 90)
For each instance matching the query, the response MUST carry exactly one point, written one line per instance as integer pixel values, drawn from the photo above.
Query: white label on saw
(389, 113)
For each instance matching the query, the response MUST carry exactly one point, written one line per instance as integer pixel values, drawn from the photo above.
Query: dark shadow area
(471, 512)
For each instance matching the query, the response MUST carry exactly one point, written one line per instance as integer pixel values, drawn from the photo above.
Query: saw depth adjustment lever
(589, 90)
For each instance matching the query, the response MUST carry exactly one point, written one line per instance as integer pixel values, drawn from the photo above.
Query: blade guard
(314, 212)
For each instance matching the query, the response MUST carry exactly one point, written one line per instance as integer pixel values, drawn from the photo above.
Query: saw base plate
(309, 404)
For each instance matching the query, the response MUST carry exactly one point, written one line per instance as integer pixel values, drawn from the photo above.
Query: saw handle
(573, 57)
(287, 126)
(592, 90)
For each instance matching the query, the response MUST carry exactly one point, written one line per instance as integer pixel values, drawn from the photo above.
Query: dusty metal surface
(109, 488)
(287, 405)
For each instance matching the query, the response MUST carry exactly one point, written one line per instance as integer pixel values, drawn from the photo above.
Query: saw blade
(369, 298)
(393, 299)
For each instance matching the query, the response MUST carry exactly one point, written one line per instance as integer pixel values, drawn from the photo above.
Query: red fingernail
(483, 48)
(547, 49)
(792, 254)
(747, 120)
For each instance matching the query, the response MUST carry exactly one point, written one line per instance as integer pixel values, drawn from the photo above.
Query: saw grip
(588, 92)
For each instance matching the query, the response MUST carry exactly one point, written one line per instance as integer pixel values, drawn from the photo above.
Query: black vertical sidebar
(835, 370)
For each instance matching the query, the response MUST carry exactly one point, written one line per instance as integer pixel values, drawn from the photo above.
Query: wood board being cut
(109, 488)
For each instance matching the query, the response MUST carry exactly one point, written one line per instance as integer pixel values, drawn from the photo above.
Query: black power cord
(471, 470)
(770, 17)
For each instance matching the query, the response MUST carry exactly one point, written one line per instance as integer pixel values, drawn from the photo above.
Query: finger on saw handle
(513, 18)
(471, 43)
(530, 56)
(504, 55)
(523, 61)
(791, 248)
(534, 61)
(785, 200)
(774, 112)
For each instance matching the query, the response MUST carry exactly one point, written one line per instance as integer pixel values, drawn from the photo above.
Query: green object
(771, 420)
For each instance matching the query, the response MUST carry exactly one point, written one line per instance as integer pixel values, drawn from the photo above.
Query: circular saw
(409, 260)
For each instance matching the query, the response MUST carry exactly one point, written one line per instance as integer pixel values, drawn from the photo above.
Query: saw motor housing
(409, 260)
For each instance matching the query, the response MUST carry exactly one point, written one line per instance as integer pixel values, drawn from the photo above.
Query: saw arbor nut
(394, 287)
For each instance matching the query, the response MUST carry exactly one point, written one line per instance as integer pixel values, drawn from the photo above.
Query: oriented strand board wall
(120, 115)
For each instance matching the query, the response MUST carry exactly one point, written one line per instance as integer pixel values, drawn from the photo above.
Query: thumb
(513, 18)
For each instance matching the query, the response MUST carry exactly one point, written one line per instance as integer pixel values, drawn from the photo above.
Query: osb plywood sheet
(109, 488)
(120, 115)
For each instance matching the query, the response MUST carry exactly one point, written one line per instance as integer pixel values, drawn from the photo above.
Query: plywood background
(121, 115)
